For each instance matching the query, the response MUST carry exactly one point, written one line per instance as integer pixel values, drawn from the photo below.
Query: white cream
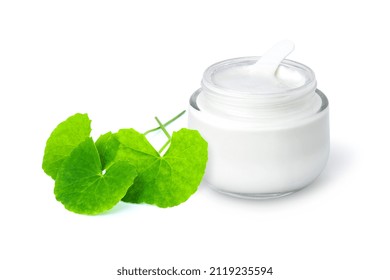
(265, 122)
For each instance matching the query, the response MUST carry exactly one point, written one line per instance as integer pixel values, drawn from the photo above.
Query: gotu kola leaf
(64, 138)
(81, 185)
(107, 146)
(167, 180)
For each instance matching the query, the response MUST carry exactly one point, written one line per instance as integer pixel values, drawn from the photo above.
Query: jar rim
(243, 123)
(208, 83)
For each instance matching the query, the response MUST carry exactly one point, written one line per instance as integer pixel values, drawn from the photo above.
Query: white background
(123, 62)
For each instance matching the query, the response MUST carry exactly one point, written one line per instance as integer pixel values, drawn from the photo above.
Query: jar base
(254, 196)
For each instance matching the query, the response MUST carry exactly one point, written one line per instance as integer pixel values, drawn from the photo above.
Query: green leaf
(107, 146)
(81, 185)
(64, 138)
(167, 180)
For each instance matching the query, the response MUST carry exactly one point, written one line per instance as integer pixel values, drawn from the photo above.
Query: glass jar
(267, 136)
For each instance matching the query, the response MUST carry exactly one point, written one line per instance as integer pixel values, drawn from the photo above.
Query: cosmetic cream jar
(267, 129)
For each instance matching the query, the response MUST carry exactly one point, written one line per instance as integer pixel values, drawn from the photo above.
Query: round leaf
(167, 180)
(64, 138)
(81, 185)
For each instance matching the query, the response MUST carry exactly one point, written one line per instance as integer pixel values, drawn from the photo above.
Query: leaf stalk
(165, 124)
(163, 128)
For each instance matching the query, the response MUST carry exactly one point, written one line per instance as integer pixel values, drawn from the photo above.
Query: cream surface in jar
(266, 123)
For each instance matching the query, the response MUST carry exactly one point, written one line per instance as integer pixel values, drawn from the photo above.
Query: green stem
(166, 124)
(163, 147)
(163, 128)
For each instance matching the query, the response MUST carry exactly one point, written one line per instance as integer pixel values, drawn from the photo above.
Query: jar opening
(237, 75)
(233, 88)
